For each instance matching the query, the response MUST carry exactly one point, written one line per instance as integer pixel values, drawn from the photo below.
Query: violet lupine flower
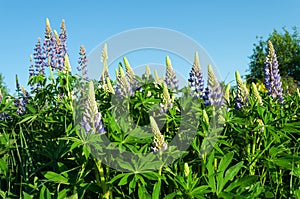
(63, 38)
(159, 144)
(82, 61)
(38, 58)
(21, 102)
(59, 52)
(242, 92)
(170, 78)
(123, 89)
(196, 81)
(3, 115)
(92, 122)
(213, 94)
(49, 47)
(272, 76)
(31, 68)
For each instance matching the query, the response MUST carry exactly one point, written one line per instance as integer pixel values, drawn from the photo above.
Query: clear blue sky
(226, 29)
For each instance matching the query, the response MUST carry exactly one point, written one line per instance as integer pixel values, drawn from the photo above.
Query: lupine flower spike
(83, 63)
(109, 86)
(59, 51)
(130, 75)
(227, 93)
(196, 80)
(39, 59)
(63, 37)
(159, 144)
(272, 76)
(147, 73)
(166, 100)
(242, 92)
(123, 89)
(213, 94)
(67, 68)
(170, 78)
(92, 122)
(49, 47)
(104, 58)
(256, 93)
(156, 77)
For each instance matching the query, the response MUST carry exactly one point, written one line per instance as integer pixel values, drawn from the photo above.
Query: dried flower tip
(256, 93)
(67, 68)
(205, 118)
(186, 169)
(227, 93)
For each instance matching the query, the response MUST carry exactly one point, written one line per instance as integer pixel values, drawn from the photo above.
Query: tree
(287, 48)
(3, 87)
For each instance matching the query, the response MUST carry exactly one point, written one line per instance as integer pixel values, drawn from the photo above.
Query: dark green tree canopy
(3, 85)
(287, 48)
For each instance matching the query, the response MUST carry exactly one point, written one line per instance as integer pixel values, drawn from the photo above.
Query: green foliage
(287, 47)
(250, 153)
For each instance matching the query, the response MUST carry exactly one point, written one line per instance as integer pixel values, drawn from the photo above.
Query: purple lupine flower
(3, 115)
(63, 37)
(31, 68)
(59, 52)
(206, 97)
(82, 61)
(213, 94)
(92, 122)
(49, 47)
(21, 101)
(170, 78)
(196, 81)
(38, 58)
(272, 76)
(123, 89)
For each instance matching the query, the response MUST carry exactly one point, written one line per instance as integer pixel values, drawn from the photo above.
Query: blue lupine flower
(272, 76)
(31, 68)
(21, 102)
(196, 81)
(59, 52)
(82, 61)
(170, 78)
(63, 38)
(49, 47)
(92, 122)
(38, 58)
(3, 115)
